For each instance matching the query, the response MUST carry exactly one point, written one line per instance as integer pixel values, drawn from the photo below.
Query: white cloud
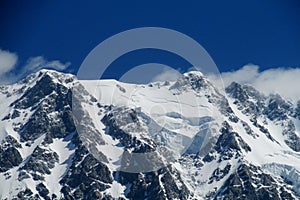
(246, 74)
(9, 73)
(8, 61)
(284, 81)
(37, 63)
(168, 74)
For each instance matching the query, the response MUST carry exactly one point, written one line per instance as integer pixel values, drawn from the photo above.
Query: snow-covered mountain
(67, 139)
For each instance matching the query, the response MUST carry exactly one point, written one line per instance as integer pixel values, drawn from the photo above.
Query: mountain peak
(194, 73)
(50, 75)
(243, 92)
(194, 80)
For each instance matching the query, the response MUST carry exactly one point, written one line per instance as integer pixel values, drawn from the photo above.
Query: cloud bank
(284, 81)
(10, 72)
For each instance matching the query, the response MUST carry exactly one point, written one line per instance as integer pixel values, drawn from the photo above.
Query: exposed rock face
(277, 108)
(249, 182)
(40, 163)
(273, 108)
(87, 178)
(297, 110)
(48, 151)
(9, 158)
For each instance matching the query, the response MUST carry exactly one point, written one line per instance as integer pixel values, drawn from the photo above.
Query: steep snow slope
(181, 113)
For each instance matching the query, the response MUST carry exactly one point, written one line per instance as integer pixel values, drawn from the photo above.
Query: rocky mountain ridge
(67, 139)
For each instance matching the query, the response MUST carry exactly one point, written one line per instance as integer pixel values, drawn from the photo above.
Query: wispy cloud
(168, 74)
(284, 81)
(37, 63)
(10, 72)
(8, 61)
(150, 72)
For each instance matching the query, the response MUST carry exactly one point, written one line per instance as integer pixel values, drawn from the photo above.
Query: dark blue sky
(263, 32)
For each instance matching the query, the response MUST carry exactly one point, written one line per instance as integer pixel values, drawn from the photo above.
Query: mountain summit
(63, 138)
